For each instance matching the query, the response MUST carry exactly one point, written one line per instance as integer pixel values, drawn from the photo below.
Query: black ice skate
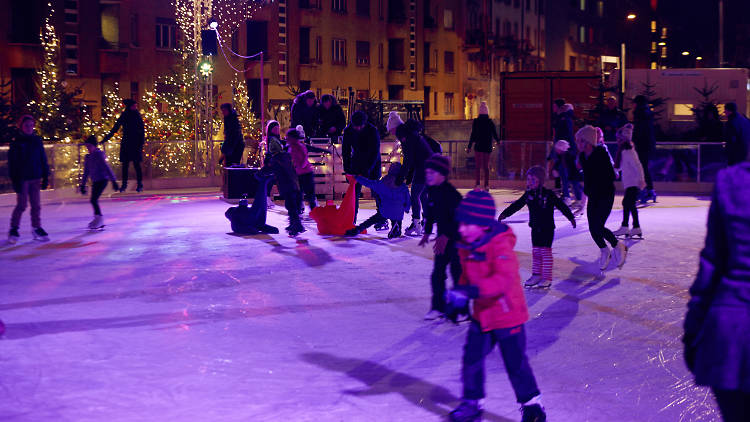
(353, 231)
(382, 226)
(123, 187)
(395, 231)
(467, 411)
(295, 229)
(40, 234)
(139, 188)
(533, 413)
(13, 235)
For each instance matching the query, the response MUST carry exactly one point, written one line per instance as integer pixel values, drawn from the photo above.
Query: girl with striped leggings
(542, 203)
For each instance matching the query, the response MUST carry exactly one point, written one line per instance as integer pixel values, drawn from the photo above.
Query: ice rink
(166, 316)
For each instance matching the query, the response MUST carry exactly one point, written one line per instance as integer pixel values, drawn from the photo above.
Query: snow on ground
(166, 316)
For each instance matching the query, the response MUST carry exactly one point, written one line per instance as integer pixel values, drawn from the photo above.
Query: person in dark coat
(280, 164)
(305, 112)
(737, 135)
(234, 143)
(611, 118)
(717, 324)
(416, 151)
(252, 220)
(331, 118)
(483, 131)
(644, 139)
(131, 146)
(360, 151)
(562, 122)
(29, 173)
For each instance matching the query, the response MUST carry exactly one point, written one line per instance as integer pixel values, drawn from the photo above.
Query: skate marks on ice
(312, 256)
(43, 250)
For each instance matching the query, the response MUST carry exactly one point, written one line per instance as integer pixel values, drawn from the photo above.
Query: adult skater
(305, 112)
(131, 146)
(737, 135)
(252, 220)
(95, 166)
(234, 143)
(491, 279)
(541, 203)
(483, 131)
(633, 180)
(331, 118)
(599, 186)
(644, 139)
(360, 151)
(416, 151)
(717, 324)
(440, 205)
(273, 146)
(29, 173)
(562, 121)
(610, 119)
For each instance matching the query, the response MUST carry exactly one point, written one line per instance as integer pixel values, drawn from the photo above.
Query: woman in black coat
(131, 146)
(717, 324)
(644, 139)
(483, 131)
(305, 113)
(331, 118)
(234, 143)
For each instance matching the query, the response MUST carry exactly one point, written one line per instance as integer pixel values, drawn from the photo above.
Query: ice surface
(165, 316)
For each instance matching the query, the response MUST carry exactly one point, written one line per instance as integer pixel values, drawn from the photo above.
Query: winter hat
(295, 134)
(483, 109)
(301, 131)
(587, 134)
(626, 132)
(559, 102)
(243, 203)
(359, 118)
(270, 125)
(478, 208)
(91, 140)
(127, 102)
(538, 172)
(394, 121)
(439, 163)
(394, 169)
(562, 145)
(566, 108)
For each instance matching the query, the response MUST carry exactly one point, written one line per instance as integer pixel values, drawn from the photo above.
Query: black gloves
(457, 301)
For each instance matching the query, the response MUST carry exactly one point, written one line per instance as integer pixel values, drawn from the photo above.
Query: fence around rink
(176, 163)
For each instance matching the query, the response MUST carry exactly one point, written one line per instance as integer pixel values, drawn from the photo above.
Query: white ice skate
(13, 236)
(97, 223)
(415, 229)
(606, 255)
(636, 232)
(623, 231)
(533, 281)
(432, 315)
(620, 252)
(40, 235)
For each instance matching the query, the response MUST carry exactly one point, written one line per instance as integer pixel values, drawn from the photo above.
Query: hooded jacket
(737, 138)
(27, 159)
(332, 117)
(360, 151)
(491, 265)
(394, 199)
(483, 131)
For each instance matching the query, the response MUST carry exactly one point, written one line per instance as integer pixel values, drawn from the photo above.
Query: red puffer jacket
(492, 266)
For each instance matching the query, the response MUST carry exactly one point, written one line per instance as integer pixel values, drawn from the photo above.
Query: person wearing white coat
(633, 180)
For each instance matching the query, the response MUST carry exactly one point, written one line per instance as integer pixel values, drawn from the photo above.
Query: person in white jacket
(633, 180)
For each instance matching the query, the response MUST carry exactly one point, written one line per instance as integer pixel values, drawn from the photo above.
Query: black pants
(512, 342)
(418, 196)
(96, 191)
(629, 208)
(292, 204)
(597, 211)
(734, 404)
(643, 157)
(376, 218)
(542, 237)
(138, 174)
(307, 188)
(439, 275)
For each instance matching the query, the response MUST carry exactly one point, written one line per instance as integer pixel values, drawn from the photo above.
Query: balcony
(113, 61)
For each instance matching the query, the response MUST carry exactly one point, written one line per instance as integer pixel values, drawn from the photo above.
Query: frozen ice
(166, 316)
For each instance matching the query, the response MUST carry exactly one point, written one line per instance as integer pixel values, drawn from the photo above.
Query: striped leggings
(541, 252)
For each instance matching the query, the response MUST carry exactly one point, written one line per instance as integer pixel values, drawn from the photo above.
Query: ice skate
(647, 195)
(577, 207)
(415, 229)
(620, 252)
(432, 315)
(395, 231)
(533, 413)
(533, 281)
(467, 411)
(40, 235)
(295, 229)
(97, 223)
(123, 187)
(139, 188)
(606, 255)
(636, 232)
(623, 231)
(383, 226)
(13, 235)
(353, 231)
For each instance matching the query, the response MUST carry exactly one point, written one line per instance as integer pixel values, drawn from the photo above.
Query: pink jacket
(298, 151)
(493, 268)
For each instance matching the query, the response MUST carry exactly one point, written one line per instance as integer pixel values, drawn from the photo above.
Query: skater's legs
(125, 165)
(258, 210)
(291, 203)
(597, 212)
(138, 173)
(307, 184)
(437, 281)
(34, 190)
(564, 181)
(373, 220)
(416, 200)
(96, 191)
(357, 193)
(483, 165)
(541, 241)
(546, 254)
(513, 350)
(22, 198)
(733, 404)
(628, 206)
(577, 189)
(478, 345)
(536, 261)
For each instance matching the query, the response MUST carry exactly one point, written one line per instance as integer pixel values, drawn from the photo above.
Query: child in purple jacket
(95, 166)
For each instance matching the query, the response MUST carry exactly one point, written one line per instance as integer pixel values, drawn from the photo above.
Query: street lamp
(631, 16)
(662, 43)
(206, 68)
(699, 58)
(685, 53)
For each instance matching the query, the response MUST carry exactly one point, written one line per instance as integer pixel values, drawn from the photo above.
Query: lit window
(664, 52)
(653, 46)
(653, 65)
(166, 36)
(582, 34)
(653, 26)
(583, 5)
(664, 32)
(682, 111)
(600, 8)
(448, 19)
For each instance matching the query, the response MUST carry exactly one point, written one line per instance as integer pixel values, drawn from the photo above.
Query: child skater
(280, 163)
(491, 279)
(440, 207)
(562, 160)
(394, 201)
(633, 180)
(303, 168)
(95, 166)
(273, 146)
(542, 203)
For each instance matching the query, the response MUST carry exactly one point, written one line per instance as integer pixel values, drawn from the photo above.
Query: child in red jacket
(491, 279)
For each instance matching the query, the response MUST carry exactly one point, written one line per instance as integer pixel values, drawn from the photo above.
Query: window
(396, 54)
(448, 106)
(363, 53)
(363, 7)
(309, 4)
(257, 39)
(572, 63)
(429, 17)
(591, 35)
(434, 102)
(582, 34)
(363, 94)
(319, 50)
(448, 19)
(582, 5)
(304, 85)
(664, 32)
(338, 53)
(396, 11)
(166, 34)
(71, 11)
(134, 39)
(682, 112)
(110, 24)
(508, 31)
(24, 27)
(426, 52)
(497, 27)
(600, 8)
(515, 30)
(541, 7)
(71, 53)
(653, 47)
(22, 85)
(338, 6)
(426, 101)
(653, 27)
(304, 45)
(448, 62)
(395, 92)
(664, 52)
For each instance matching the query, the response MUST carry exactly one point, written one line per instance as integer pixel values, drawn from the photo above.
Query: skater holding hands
(491, 279)
(542, 203)
(633, 180)
(95, 166)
